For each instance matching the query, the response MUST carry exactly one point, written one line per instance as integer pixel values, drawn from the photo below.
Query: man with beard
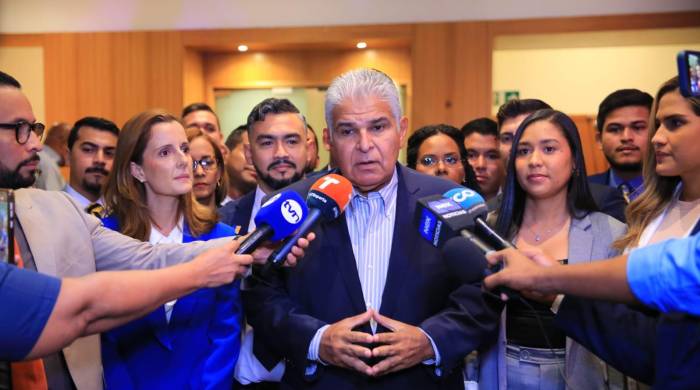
(277, 149)
(623, 126)
(92, 143)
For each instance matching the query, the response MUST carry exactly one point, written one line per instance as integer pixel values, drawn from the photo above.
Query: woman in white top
(669, 207)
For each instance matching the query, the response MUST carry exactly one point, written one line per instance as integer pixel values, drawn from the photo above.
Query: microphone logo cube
(292, 211)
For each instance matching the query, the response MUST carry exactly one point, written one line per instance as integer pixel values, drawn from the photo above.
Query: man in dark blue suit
(372, 305)
(622, 128)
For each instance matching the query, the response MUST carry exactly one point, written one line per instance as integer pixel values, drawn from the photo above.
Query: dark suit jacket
(609, 200)
(602, 178)
(663, 351)
(289, 307)
(237, 213)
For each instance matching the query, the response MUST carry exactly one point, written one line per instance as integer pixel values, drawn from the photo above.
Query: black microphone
(476, 208)
(326, 200)
(277, 218)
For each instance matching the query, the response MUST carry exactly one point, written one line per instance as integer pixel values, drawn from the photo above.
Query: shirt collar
(82, 200)
(387, 193)
(175, 236)
(615, 181)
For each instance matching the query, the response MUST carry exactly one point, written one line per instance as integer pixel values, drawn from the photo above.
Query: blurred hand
(261, 254)
(220, 265)
(405, 346)
(520, 271)
(339, 344)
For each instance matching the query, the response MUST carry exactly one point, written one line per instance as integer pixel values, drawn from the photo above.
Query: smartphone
(7, 217)
(689, 73)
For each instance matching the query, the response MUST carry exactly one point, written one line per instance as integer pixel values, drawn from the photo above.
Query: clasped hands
(402, 347)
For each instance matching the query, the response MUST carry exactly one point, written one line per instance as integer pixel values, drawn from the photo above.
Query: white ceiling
(33, 16)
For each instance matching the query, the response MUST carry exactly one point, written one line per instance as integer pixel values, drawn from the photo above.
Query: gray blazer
(590, 238)
(64, 241)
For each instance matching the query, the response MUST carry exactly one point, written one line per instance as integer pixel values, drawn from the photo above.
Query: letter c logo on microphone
(462, 195)
(291, 211)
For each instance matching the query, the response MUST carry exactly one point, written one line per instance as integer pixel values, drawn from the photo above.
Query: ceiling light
(361, 45)
(242, 48)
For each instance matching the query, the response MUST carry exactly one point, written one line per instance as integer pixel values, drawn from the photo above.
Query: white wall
(577, 77)
(30, 16)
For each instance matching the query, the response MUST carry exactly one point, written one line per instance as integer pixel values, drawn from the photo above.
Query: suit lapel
(580, 240)
(34, 232)
(242, 214)
(399, 260)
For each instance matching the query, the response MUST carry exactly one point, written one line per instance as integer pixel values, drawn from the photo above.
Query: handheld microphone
(326, 200)
(439, 219)
(277, 218)
(476, 208)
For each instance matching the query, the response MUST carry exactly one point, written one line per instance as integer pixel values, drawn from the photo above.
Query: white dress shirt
(175, 237)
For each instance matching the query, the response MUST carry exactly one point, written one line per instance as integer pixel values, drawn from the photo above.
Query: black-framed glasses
(23, 129)
(430, 160)
(207, 163)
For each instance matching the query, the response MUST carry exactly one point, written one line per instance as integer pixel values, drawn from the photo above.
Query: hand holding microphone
(326, 200)
(279, 217)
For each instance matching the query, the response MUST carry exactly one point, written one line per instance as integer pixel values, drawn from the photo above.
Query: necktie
(96, 209)
(625, 189)
(29, 374)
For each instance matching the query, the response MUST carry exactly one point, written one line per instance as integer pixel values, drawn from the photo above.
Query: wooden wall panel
(299, 68)
(193, 77)
(432, 58)
(113, 75)
(595, 160)
(472, 73)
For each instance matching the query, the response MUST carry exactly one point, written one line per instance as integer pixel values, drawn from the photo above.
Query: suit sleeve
(270, 311)
(621, 336)
(469, 320)
(115, 251)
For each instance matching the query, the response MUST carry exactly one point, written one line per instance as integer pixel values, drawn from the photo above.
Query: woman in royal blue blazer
(192, 342)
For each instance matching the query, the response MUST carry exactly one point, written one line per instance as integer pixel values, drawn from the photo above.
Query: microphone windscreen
(284, 212)
(464, 259)
(468, 199)
(330, 194)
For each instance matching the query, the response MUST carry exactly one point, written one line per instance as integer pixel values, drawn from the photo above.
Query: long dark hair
(579, 200)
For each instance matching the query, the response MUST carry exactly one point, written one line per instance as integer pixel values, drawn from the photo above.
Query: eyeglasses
(207, 164)
(429, 161)
(23, 129)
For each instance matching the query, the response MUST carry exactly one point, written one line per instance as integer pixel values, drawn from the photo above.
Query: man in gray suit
(56, 237)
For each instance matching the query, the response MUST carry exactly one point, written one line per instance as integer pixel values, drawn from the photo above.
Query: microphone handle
(479, 243)
(260, 235)
(492, 235)
(278, 256)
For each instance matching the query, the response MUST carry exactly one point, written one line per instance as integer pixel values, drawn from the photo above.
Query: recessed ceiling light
(361, 45)
(242, 48)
